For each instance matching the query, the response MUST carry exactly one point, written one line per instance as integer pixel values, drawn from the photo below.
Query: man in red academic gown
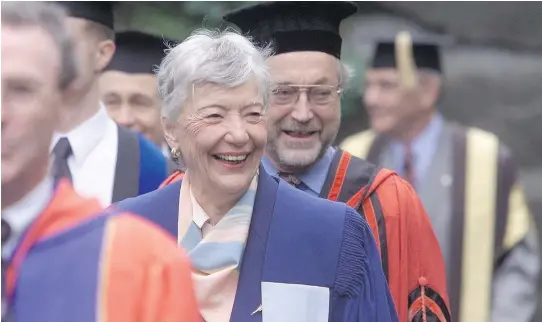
(63, 257)
(303, 119)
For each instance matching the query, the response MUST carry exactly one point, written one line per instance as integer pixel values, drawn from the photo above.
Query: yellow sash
(481, 166)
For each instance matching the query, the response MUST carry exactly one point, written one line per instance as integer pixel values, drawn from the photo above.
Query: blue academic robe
(141, 167)
(295, 238)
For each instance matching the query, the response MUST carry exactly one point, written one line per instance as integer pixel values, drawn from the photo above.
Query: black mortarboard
(97, 11)
(296, 25)
(137, 52)
(425, 54)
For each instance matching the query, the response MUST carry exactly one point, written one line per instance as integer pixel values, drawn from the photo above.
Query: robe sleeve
(428, 297)
(168, 291)
(360, 292)
(515, 281)
(144, 276)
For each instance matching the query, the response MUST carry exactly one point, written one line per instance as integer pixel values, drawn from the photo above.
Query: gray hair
(223, 58)
(52, 19)
(346, 73)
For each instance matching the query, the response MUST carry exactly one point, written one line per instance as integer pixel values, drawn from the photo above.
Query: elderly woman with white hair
(261, 250)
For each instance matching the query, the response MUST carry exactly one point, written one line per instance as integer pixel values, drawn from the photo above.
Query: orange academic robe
(78, 262)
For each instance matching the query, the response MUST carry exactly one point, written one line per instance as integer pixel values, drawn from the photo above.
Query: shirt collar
(423, 147)
(314, 177)
(198, 214)
(427, 136)
(21, 214)
(84, 138)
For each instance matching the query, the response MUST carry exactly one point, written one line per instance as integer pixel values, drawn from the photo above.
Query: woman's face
(221, 134)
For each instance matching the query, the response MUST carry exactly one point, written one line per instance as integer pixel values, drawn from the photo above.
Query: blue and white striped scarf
(216, 258)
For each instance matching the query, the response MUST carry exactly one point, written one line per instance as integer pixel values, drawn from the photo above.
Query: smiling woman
(214, 88)
(255, 243)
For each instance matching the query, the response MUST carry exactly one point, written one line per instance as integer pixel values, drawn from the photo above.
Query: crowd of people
(145, 179)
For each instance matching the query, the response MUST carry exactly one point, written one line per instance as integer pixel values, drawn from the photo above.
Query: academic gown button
(446, 180)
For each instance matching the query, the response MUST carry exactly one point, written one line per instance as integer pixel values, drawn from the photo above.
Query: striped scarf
(216, 258)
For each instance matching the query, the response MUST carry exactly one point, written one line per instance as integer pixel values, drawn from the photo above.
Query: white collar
(21, 214)
(84, 138)
(199, 216)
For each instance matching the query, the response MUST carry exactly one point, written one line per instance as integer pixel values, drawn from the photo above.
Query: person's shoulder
(149, 199)
(356, 137)
(355, 257)
(397, 196)
(357, 142)
(484, 143)
(480, 137)
(149, 242)
(309, 205)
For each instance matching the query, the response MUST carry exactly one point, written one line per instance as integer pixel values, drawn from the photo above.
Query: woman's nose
(237, 132)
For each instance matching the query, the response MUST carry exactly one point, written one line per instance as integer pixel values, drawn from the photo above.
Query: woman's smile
(232, 160)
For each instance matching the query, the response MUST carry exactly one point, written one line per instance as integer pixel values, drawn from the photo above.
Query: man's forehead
(130, 77)
(18, 34)
(114, 82)
(16, 39)
(31, 65)
(304, 68)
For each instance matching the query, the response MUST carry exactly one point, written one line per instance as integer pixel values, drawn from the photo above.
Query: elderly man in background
(303, 121)
(467, 180)
(63, 258)
(261, 249)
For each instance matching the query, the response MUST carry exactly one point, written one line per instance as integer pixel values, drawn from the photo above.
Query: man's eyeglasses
(316, 94)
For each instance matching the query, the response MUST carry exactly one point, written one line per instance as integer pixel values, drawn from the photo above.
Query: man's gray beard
(296, 160)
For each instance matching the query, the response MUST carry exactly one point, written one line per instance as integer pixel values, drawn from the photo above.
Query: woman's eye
(254, 117)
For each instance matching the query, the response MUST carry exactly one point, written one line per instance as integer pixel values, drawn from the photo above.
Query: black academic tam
(97, 11)
(138, 52)
(295, 25)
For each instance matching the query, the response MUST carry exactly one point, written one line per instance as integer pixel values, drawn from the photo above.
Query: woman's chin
(234, 184)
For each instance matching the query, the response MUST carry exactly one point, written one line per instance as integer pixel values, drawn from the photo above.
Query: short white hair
(223, 58)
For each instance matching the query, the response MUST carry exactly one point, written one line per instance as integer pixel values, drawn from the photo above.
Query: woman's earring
(176, 153)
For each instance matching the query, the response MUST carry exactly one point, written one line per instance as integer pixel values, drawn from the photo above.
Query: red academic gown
(79, 263)
(410, 253)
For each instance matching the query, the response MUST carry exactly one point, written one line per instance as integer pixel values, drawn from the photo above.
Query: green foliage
(175, 20)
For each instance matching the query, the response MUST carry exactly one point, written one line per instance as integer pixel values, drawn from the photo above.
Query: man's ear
(169, 132)
(104, 54)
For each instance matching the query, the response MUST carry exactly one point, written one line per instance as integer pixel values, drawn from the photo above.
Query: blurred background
(492, 62)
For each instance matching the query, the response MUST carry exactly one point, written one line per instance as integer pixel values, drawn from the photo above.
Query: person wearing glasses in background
(261, 250)
(302, 122)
